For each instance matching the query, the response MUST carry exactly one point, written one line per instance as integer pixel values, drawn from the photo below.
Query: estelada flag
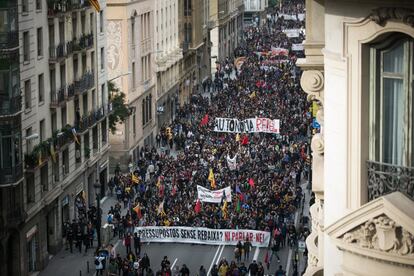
(137, 210)
(204, 121)
(95, 4)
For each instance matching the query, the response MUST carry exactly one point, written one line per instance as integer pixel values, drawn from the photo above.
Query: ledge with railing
(58, 97)
(9, 40)
(10, 106)
(59, 7)
(84, 42)
(57, 52)
(85, 83)
(386, 178)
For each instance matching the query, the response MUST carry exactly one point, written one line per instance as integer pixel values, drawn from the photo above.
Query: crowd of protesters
(159, 189)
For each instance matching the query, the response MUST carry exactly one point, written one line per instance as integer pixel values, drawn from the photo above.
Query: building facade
(254, 11)
(54, 132)
(130, 53)
(194, 67)
(358, 67)
(168, 55)
(226, 28)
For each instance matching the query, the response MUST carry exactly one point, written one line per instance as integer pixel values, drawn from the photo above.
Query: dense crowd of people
(159, 189)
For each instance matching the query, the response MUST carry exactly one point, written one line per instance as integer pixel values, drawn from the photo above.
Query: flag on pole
(160, 210)
(95, 4)
(197, 207)
(224, 210)
(245, 140)
(52, 152)
(238, 206)
(204, 121)
(212, 179)
(251, 182)
(75, 136)
(134, 178)
(237, 137)
(137, 210)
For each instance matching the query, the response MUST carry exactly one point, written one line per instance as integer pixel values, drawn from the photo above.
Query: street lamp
(97, 187)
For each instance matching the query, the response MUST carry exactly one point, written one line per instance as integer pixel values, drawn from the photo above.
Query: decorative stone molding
(383, 234)
(317, 144)
(312, 82)
(382, 15)
(381, 231)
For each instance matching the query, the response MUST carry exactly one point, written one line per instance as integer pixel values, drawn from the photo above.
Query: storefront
(32, 246)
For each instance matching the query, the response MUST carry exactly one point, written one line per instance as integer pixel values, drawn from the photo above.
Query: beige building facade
(54, 134)
(130, 54)
(359, 68)
(168, 56)
(226, 28)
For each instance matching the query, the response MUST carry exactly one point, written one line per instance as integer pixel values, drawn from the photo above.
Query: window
(39, 42)
(42, 130)
(91, 22)
(38, 5)
(104, 132)
(30, 188)
(103, 96)
(102, 58)
(65, 160)
(44, 178)
(55, 169)
(63, 116)
(133, 75)
(392, 101)
(187, 7)
(27, 94)
(25, 5)
(101, 21)
(133, 30)
(28, 141)
(134, 122)
(143, 112)
(95, 141)
(26, 47)
(41, 87)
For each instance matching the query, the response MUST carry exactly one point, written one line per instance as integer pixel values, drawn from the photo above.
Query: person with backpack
(99, 264)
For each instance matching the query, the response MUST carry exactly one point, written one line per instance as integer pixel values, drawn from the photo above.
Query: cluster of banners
(291, 33)
(247, 126)
(298, 17)
(199, 235)
(216, 196)
(297, 47)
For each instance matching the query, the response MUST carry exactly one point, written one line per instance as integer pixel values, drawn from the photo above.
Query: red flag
(204, 121)
(197, 207)
(137, 209)
(251, 182)
(241, 196)
(245, 140)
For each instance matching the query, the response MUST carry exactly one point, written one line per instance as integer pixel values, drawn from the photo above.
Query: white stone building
(254, 10)
(130, 53)
(359, 68)
(168, 55)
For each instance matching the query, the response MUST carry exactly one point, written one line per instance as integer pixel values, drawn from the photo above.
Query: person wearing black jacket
(137, 244)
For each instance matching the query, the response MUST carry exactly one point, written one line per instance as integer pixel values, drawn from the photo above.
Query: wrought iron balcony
(387, 178)
(59, 7)
(56, 53)
(10, 106)
(71, 91)
(83, 43)
(11, 175)
(58, 97)
(9, 40)
(85, 83)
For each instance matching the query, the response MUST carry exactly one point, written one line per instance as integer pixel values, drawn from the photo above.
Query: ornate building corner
(312, 83)
(382, 15)
(380, 232)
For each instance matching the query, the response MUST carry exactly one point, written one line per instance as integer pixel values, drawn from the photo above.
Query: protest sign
(206, 195)
(276, 51)
(247, 126)
(200, 235)
(232, 162)
(297, 47)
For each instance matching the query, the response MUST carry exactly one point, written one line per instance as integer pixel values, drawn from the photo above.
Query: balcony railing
(71, 91)
(85, 83)
(387, 178)
(57, 52)
(83, 43)
(9, 40)
(10, 106)
(58, 97)
(57, 7)
(11, 175)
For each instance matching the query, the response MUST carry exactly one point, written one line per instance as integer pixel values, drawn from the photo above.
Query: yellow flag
(211, 179)
(134, 178)
(237, 137)
(224, 210)
(95, 4)
(252, 95)
(158, 184)
(52, 153)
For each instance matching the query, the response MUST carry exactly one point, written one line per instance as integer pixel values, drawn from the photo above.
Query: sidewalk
(74, 264)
